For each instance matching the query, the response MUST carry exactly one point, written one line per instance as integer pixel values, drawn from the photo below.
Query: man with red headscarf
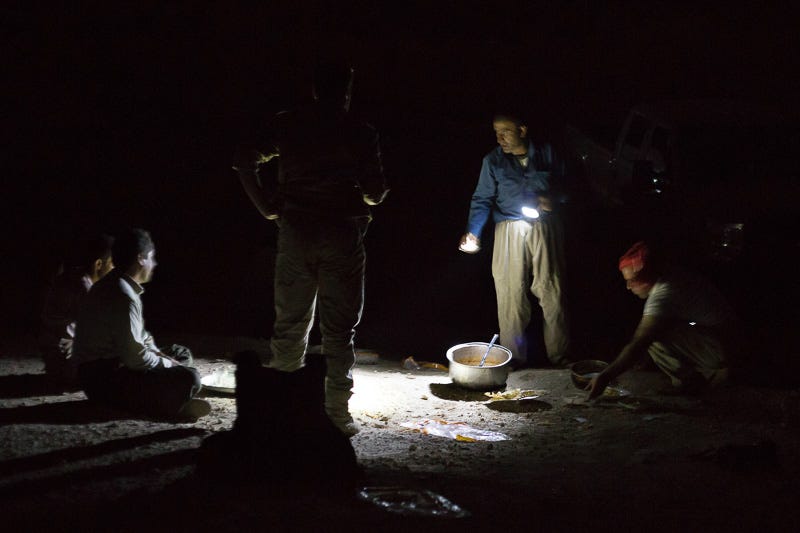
(685, 327)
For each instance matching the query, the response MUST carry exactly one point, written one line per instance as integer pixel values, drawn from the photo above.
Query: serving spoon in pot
(489, 349)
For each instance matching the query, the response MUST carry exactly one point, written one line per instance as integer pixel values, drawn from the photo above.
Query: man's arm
(136, 347)
(646, 332)
(246, 162)
(483, 199)
(373, 181)
(59, 312)
(150, 343)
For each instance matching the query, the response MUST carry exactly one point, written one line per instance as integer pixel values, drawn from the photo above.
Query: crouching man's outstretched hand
(597, 386)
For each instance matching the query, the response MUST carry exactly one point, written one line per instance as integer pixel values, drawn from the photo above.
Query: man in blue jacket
(518, 186)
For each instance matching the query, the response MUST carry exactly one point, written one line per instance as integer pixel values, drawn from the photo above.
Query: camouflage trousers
(320, 268)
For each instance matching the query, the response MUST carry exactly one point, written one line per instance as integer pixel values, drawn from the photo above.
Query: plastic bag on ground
(411, 502)
(455, 430)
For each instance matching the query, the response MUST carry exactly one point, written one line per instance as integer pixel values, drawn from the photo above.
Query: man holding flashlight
(517, 186)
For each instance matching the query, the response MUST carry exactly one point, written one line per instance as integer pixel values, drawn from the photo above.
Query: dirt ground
(726, 461)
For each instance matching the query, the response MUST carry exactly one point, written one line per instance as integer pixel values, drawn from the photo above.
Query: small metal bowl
(582, 372)
(466, 372)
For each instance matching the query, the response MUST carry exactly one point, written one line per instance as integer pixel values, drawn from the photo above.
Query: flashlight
(530, 212)
(470, 245)
(530, 204)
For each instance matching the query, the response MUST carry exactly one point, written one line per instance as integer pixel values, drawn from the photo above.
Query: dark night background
(128, 114)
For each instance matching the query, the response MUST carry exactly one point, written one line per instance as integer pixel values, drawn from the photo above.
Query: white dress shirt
(111, 325)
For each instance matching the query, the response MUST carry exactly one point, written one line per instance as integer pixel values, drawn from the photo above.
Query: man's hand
(375, 199)
(172, 360)
(545, 204)
(65, 347)
(598, 385)
(261, 198)
(470, 243)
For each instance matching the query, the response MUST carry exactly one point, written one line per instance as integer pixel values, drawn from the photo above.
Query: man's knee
(186, 379)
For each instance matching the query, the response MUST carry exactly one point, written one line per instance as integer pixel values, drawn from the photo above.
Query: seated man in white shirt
(119, 362)
(687, 327)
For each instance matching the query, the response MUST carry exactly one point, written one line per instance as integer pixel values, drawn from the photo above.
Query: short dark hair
(97, 247)
(128, 245)
(332, 80)
(512, 115)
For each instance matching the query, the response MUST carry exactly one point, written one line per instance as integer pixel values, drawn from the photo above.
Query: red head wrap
(640, 260)
(635, 258)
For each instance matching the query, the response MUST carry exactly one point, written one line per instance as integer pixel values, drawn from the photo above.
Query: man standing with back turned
(518, 185)
(329, 173)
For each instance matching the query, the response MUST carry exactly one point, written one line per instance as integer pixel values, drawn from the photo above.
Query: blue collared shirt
(505, 186)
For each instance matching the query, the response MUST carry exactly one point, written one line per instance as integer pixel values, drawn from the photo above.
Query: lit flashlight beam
(530, 212)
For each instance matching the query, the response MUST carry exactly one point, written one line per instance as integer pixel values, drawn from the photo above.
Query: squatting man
(687, 327)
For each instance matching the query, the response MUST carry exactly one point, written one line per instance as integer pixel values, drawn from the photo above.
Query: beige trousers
(530, 256)
(688, 354)
(320, 265)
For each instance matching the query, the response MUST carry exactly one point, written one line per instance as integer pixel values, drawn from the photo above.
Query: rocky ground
(726, 461)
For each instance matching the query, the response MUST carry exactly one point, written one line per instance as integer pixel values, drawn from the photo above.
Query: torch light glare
(469, 246)
(368, 392)
(530, 212)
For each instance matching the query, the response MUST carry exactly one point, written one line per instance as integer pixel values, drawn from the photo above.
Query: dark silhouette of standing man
(329, 174)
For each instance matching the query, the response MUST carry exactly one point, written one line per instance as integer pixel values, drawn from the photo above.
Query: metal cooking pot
(465, 372)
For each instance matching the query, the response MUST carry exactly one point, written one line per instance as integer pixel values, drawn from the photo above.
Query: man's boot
(281, 432)
(337, 407)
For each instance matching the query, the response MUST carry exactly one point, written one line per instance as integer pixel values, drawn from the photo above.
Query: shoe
(346, 425)
(349, 429)
(193, 409)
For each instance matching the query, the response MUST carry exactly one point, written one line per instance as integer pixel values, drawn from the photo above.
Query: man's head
(511, 132)
(97, 260)
(333, 83)
(135, 254)
(638, 267)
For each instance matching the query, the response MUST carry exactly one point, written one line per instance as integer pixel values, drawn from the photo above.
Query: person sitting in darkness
(686, 326)
(62, 305)
(119, 363)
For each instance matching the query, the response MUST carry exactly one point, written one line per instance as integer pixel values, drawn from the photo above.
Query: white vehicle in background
(715, 175)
